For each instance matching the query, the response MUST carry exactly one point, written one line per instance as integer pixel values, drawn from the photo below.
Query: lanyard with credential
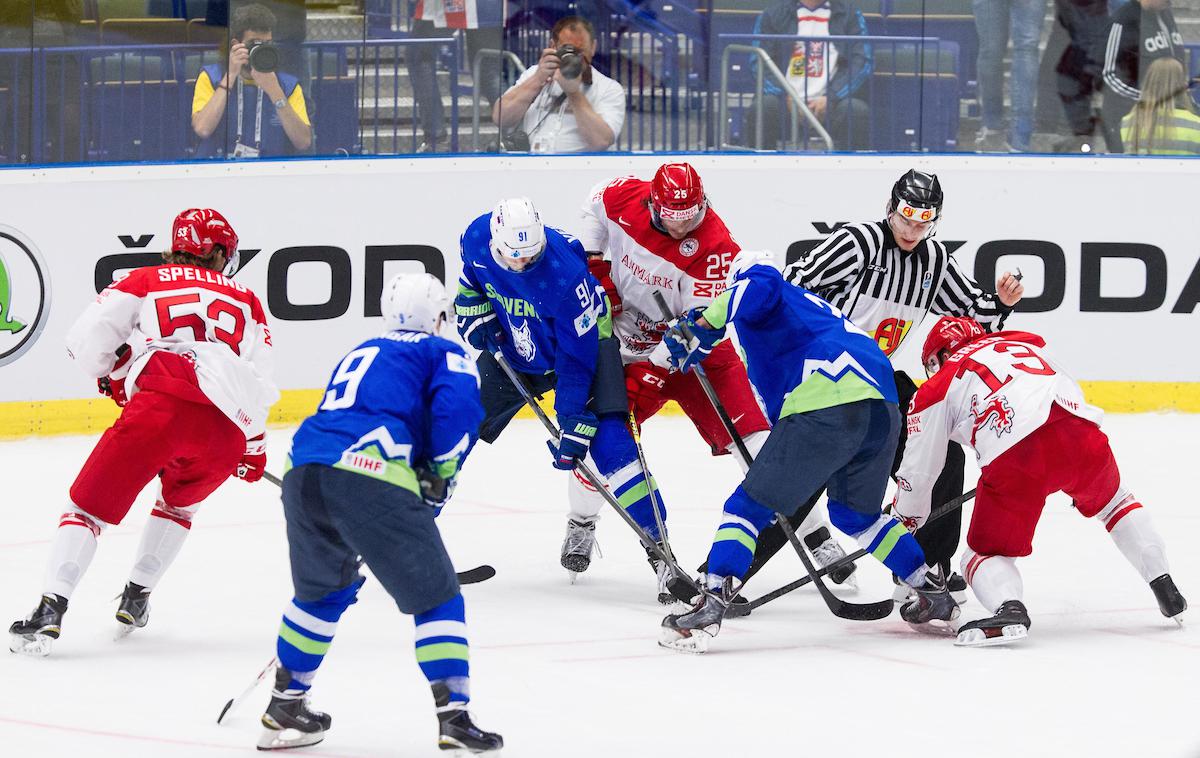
(257, 115)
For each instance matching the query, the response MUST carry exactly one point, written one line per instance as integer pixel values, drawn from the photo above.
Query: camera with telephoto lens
(570, 61)
(264, 56)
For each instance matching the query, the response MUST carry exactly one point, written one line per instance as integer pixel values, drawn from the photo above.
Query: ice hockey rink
(574, 671)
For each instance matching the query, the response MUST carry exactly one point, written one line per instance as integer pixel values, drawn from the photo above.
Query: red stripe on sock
(1112, 521)
(74, 519)
(163, 514)
(974, 565)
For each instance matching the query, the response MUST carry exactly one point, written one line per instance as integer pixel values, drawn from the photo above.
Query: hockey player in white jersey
(1033, 434)
(663, 237)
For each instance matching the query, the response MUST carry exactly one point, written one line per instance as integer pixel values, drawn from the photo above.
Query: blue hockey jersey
(802, 354)
(399, 401)
(554, 313)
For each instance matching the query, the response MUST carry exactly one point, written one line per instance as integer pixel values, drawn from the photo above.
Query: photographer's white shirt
(550, 123)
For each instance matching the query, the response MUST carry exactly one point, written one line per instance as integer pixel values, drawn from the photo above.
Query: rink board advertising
(1107, 248)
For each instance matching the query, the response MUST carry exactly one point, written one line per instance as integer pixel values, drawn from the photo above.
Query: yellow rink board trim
(41, 418)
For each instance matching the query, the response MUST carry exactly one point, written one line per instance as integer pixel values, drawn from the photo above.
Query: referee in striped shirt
(886, 277)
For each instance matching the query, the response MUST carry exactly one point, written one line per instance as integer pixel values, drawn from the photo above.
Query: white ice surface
(574, 671)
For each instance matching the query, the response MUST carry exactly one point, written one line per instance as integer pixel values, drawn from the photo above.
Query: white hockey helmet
(413, 302)
(745, 259)
(517, 230)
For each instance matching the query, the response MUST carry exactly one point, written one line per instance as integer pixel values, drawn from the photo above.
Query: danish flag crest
(995, 414)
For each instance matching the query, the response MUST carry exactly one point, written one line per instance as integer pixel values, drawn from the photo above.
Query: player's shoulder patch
(458, 362)
(585, 321)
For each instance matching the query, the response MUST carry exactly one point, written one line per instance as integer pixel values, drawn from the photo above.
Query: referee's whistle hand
(1009, 289)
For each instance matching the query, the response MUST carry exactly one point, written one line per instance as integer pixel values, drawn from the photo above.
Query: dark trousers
(848, 122)
(939, 539)
(422, 73)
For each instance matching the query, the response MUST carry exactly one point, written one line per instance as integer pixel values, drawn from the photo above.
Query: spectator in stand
(563, 109)
(1163, 122)
(1080, 69)
(997, 21)
(1142, 32)
(268, 117)
(481, 22)
(827, 75)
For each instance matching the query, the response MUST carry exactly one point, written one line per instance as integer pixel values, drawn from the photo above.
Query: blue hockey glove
(688, 342)
(435, 490)
(578, 431)
(477, 323)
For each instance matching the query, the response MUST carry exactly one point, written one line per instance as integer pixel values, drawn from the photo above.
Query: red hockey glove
(113, 385)
(602, 270)
(254, 460)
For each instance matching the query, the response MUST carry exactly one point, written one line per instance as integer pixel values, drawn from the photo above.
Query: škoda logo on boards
(24, 294)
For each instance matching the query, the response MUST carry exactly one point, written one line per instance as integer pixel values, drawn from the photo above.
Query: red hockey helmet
(197, 231)
(676, 193)
(948, 335)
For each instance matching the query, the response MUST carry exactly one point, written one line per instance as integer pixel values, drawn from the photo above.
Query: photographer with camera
(256, 86)
(563, 105)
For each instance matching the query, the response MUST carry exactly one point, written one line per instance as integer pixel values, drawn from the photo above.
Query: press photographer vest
(275, 141)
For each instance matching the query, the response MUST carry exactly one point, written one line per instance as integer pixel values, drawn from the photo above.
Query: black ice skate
(933, 608)
(288, 722)
(1170, 602)
(34, 635)
(456, 731)
(1010, 624)
(577, 547)
(825, 551)
(690, 632)
(663, 573)
(134, 611)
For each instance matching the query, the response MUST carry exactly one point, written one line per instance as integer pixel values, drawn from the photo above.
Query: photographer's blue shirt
(274, 140)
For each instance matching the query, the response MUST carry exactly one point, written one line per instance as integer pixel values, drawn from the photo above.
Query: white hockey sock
(1129, 525)
(72, 551)
(993, 578)
(754, 444)
(584, 501)
(165, 532)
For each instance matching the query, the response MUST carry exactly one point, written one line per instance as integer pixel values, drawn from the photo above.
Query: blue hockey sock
(442, 650)
(617, 459)
(733, 547)
(307, 631)
(883, 537)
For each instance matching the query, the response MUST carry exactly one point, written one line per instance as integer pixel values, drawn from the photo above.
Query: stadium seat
(200, 33)
(143, 31)
(132, 108)
(914, 100)
(952, 20)
(121, 9)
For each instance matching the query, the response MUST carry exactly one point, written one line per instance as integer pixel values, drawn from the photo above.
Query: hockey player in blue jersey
(369, 472)
(526, 292)
(829, 393)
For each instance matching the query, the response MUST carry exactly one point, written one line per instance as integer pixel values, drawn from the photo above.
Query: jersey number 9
(350, 372)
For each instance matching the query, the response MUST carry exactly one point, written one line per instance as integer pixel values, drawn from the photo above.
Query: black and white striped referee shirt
(886, 291)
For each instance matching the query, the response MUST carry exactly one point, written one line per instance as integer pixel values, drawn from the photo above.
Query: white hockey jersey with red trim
(216, 322)
(689, 272)
(990, 395)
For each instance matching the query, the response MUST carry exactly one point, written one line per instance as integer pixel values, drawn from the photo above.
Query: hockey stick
(470, 576)
(636, 432)
(591, 476)
(839, 607)
(952, 505)
(233, 703)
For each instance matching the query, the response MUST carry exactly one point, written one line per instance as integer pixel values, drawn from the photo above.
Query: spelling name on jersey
(801, 353)
(402, 400)
(888, 291)
(554, 313)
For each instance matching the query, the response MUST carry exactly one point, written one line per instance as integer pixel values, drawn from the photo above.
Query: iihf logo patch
(688, 247)
(927, 281)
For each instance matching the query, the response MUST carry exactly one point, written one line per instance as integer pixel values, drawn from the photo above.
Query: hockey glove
(578, 431)
(113, 385)
(477, 323)
(602, 270)
(435, 490)
(254, 460)
(690, 343)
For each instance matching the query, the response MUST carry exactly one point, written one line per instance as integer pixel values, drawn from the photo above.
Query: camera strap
(556, 104)
(257, 114)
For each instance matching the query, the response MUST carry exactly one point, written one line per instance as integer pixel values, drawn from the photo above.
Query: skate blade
(693, 641)
(458, 751)
(574, 575)
(32, 645)
(939, 627)
(282, 739)
(1005, 635)
(849, 584)
(123, 631)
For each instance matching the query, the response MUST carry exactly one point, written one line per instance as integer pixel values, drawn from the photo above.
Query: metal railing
(476, 69)
(796, 105)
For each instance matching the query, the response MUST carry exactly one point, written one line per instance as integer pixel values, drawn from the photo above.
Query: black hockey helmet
(917, 190)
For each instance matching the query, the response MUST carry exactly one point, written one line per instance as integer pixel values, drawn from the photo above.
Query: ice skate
(288, 721)
(663, 573)
(34, 635)
(1170, 601)
(933, 609)
(134, 611)
(1010, 624)
(957, 586)
(690, 632)
(577, 547)
(457, 734)
(825, 551)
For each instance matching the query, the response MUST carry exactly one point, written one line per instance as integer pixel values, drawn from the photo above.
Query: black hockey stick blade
(476, 575)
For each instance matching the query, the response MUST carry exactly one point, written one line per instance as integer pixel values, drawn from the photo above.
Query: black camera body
(264, 56)
(570, 61)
